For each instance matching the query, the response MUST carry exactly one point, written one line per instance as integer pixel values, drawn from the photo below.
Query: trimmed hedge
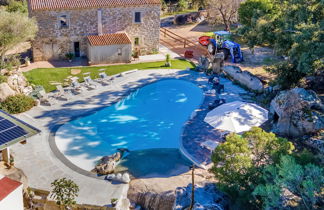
(17, 104)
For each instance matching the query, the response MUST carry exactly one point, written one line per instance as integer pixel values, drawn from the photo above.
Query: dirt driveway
(253, 63)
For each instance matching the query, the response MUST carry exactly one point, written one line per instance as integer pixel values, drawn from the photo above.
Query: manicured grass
(44, 76)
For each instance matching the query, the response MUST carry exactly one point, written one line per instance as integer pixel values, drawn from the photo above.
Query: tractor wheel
(225, 52)
(211, 48)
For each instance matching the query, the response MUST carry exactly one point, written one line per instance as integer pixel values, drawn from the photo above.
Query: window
(136, 41)
(137, 17)
(119, 51)
(63, 21)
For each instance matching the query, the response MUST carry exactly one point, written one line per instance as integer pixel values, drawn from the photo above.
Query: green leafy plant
(114, 201)
(11, 62)
(69, 56)
(64, 192)
(15, 28)
(17, 6)
(238, 163)
(182, 5)
(17, 104)
(306, 182)
(3, 78)
(168, 60)
(293, 28)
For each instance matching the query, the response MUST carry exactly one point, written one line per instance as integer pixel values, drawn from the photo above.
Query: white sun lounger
(76, 86)
(44, 99)
(104, 79)
(62, 93)
(89, 83)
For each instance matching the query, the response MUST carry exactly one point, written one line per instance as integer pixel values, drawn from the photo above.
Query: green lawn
(43, 76)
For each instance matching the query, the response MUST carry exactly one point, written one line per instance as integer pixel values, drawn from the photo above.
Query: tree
(239, 162)
(15, 28)
(182, 5)
(224, 11)
(306, 182)
(64, 191)
(17, 6)
(293, 28)
(250, 10)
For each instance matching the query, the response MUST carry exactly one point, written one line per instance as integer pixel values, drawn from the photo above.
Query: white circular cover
(236, 116)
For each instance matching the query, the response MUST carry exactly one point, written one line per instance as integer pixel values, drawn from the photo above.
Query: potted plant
(69, 56)
(168, 60)
(27, 61)
(114, 202)
(12, 161)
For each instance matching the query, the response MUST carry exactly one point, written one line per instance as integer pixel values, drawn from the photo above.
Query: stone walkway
(197, 131)
(42, 164)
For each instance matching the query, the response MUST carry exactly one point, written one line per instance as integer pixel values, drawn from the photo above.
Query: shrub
(69, 56)
(17, 6)
(17, 104)
(64, 192)
(3, 78)
(168, 60)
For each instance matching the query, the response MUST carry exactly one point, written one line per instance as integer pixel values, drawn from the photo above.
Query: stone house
(105, 31)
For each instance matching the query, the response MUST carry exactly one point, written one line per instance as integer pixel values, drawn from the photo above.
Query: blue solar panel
(11, 134)
(5, 124)
(9, 131)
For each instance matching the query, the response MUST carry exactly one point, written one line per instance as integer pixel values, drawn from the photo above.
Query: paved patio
(42, 164)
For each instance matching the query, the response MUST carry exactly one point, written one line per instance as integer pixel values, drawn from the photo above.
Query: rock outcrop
(297, 112)
(206, 197)
(244, 78)
(159, 192)
(107, 164)
(19, 83)
(5, 91)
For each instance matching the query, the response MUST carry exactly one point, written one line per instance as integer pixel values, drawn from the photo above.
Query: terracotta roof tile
(109, 39)
(78, 4)
(7, 186)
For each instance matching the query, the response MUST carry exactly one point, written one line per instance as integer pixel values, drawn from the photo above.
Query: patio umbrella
(236, 116)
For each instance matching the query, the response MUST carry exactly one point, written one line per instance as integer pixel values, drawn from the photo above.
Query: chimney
(99, 22)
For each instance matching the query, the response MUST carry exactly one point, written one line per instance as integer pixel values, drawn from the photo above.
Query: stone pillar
(99, 22)
(6, 155)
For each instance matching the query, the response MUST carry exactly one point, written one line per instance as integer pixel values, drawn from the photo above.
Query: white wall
(109, 54)
(14, 201)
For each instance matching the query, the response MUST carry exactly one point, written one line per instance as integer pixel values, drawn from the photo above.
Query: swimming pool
(151, 117)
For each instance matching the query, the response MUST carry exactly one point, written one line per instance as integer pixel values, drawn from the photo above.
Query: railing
(186, 42)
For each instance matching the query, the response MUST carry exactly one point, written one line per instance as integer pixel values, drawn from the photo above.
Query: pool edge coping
(53, 129)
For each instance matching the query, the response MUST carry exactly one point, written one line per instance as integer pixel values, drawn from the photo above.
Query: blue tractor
(221, 42)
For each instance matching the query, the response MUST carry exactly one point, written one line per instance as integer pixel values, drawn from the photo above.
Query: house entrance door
(77, 49)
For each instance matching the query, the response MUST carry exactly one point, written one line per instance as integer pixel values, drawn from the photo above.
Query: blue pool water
(151, 117)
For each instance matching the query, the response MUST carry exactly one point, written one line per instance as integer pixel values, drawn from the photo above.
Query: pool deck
(43, 165)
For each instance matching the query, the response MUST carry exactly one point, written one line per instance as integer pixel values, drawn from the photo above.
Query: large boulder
(19, 83)
(244, 78)
(107, 164)
(297, 112)
(160, 192)
(206, 197)
(5, 91)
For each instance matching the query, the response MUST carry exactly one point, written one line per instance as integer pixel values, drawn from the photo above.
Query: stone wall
(52, 42)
